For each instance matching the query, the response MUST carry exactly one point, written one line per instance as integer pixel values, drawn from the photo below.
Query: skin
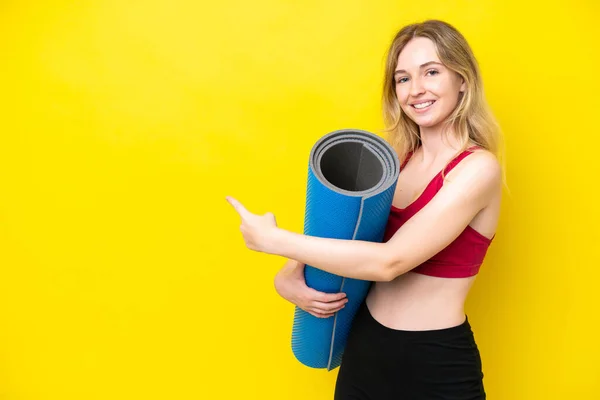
(471, 195)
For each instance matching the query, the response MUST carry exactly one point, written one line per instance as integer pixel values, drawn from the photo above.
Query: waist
(383, 332)
(419, 302)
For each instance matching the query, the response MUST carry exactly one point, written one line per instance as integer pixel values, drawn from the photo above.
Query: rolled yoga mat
(352, 177)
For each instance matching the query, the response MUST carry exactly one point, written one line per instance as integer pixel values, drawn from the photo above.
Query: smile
(423, 106)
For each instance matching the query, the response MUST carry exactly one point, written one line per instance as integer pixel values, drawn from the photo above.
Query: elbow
(389, 274)
(392, 267)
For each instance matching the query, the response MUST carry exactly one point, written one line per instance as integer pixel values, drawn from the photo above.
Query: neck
(437, 144)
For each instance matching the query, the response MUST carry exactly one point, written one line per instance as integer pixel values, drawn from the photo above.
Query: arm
(428, 232)
(350, 258)
(288, 268)
(444, 218)
(291, 285)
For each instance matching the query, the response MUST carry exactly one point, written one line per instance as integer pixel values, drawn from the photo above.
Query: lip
(423, 110)
(420, 101)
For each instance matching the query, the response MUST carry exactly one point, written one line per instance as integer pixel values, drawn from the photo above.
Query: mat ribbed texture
(352, 177)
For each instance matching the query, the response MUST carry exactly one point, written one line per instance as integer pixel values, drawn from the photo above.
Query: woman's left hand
(257, 230)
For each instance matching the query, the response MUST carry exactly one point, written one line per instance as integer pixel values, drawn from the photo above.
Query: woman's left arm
(428, 232)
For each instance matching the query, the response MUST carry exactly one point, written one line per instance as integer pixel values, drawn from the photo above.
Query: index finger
(329, 297)
(237, 206)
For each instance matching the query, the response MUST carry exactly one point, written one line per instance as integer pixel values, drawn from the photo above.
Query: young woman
(411, 338)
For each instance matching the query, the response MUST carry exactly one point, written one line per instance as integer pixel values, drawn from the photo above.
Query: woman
(411, 338)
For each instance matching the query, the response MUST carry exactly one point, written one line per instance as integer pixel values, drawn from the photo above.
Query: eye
(401, 80)
(432, 72)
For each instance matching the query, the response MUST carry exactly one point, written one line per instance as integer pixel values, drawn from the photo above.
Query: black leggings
(380, 363)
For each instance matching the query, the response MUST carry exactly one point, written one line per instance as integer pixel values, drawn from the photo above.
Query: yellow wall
(124, 124)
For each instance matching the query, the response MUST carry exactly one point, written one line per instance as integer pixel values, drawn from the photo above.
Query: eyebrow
(422, 66)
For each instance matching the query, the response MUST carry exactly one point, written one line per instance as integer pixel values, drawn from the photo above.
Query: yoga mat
(352, 177)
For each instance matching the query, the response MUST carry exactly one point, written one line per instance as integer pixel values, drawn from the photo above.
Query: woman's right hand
(291, 285)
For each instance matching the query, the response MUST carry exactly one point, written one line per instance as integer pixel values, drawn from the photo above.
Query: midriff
(419, 302)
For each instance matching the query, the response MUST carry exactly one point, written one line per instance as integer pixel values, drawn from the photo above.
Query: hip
(382, 363)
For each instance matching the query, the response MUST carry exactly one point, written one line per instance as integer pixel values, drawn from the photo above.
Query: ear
(463, 85)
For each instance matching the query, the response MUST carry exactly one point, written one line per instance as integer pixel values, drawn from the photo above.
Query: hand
(257, 230)
(291, 285)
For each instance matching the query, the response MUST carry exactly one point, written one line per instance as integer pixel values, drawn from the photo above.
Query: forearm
(288, 268)
(282, 276)
(350, 258)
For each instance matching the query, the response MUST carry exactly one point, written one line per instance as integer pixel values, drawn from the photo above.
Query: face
(427, 91)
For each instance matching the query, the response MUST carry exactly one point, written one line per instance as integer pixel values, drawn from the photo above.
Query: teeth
(423, 105)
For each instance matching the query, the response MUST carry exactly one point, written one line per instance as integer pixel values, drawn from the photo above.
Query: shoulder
(480, 162)
(478, 174)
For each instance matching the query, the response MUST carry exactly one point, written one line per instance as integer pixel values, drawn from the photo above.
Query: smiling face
(427, 91)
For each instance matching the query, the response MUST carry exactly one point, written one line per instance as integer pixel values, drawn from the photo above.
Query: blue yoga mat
(352, 177)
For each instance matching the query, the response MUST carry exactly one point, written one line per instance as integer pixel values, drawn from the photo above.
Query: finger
(329, 307)
(328, 297)
(319, 315)
(321, 312)
(237, 206)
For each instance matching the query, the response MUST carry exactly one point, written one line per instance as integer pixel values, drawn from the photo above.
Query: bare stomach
(417, 302)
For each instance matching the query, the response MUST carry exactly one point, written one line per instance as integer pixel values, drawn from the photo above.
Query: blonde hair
(471, 120)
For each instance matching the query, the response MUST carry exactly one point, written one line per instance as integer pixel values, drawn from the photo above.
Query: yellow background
(126, 123)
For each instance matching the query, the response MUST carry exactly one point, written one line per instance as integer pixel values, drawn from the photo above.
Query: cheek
(402, 95)
(399, 92)
(436, 87)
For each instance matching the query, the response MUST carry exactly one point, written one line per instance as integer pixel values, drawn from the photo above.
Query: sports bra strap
(458, 159)
(450, 165)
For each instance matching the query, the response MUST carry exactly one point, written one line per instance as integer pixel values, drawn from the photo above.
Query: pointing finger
(237, 206)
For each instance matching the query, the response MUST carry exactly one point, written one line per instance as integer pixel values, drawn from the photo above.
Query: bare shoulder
(477, 176)
(482, 164)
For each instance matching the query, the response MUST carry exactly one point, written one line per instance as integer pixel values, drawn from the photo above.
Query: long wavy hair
(471, 121)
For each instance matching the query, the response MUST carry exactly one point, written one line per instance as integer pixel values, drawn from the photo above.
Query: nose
(416, 87)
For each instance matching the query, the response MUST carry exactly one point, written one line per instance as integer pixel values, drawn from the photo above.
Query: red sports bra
(461, 258)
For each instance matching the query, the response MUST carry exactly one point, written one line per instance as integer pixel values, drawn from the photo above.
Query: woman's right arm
(291, 285)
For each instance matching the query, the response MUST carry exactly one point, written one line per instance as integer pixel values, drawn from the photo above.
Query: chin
(430, 121)
(426, 123)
